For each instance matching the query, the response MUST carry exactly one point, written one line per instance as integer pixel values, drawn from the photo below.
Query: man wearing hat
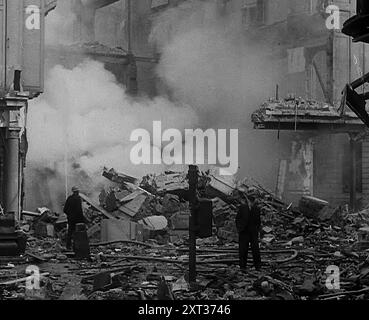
(248, 225)
(74, 212)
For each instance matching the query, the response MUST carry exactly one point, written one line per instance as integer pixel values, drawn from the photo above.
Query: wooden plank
(133, 207)
(131, 196)
(96, 206)
(31, 214)
(22, 279)
(37, 257)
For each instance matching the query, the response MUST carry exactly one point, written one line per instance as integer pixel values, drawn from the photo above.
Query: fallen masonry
(139, 247)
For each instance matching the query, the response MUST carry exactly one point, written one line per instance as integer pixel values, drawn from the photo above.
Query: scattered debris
(139, 246)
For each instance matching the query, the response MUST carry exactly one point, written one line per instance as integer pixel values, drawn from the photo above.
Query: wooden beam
(321, 82)
(7, 283)
(97, 207)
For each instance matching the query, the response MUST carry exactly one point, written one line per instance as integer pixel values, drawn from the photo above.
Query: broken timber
(97, 207)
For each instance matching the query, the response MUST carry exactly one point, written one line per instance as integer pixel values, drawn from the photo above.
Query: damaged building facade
(126, 26)
(329, 154)
(85, 41)
(314, 64)
(173, 235)
(21, 79)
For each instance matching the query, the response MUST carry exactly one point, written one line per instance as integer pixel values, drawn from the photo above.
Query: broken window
(346, 167)
(253, 13)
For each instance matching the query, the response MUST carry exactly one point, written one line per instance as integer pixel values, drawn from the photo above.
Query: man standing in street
(74, 212)
(248, 225)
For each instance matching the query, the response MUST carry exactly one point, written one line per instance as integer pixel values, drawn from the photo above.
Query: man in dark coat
(248, 225)
(74, 212)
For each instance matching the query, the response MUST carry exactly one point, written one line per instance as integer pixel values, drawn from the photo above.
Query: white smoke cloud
(209, 61)
(84, 110)
(86, 117)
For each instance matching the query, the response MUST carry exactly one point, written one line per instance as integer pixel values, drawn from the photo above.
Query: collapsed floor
(139, 247)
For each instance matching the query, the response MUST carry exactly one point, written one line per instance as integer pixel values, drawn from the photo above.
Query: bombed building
(119, 119)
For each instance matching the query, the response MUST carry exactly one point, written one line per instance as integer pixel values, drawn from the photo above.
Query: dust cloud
(215, 78)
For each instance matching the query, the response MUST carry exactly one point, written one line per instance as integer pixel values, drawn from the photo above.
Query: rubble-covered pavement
(139, 247)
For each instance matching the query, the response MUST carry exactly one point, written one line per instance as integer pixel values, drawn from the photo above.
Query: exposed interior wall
(319, 165)
(332, 170)
(300, 168)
